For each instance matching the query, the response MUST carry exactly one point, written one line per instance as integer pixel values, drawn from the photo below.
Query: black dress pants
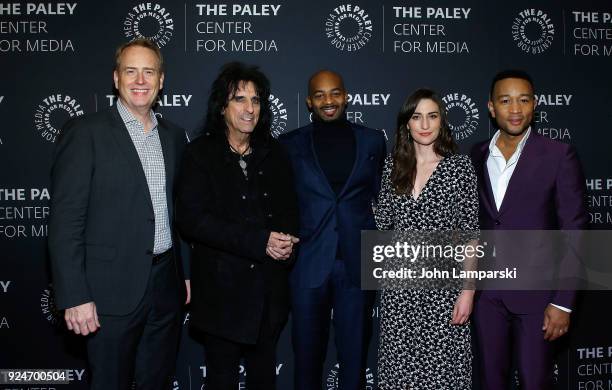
(223, 359)
(142, 345)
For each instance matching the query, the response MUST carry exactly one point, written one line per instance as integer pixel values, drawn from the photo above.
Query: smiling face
(425, 122)
(242, 111)
(138, 79)
(512, 105)
(327, 98)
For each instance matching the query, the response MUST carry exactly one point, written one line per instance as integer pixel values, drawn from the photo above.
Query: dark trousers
(142, 345)
(499, 332)
(223, 359)
(352, 320)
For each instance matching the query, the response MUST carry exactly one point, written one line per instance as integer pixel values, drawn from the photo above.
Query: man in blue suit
(337, 167)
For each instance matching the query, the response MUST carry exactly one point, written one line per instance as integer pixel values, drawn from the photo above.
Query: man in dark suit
(526, 182)
(337, 167)
(114, 255)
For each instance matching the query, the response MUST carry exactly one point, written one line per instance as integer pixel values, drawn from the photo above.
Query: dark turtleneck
(334, 144)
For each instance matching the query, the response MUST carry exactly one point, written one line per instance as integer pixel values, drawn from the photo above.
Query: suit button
(260, 173)
(243, 197)
(149, 252)
(269, 215)
(265, 194)
(497, 222)
(252, 266)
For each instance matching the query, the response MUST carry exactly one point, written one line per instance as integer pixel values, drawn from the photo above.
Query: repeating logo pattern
(52, 113)
(149, 20)
(533, 31)
(463, 114)
(348, 27)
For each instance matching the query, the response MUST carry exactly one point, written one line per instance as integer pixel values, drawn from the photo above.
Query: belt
(158, 258)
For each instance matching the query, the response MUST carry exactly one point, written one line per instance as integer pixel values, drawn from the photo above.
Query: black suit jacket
(235, 286)
(101, 222)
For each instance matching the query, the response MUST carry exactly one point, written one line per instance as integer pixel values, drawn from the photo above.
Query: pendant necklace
(241, 161)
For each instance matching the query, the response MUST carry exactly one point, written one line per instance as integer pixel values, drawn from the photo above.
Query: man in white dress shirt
(526, 182)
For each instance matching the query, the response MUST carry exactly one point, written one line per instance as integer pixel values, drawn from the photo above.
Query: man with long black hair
(236, 205)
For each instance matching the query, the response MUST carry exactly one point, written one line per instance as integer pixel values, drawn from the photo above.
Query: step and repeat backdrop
(57, 59)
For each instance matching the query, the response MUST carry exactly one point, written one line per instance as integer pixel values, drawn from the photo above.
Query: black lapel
(122, 137)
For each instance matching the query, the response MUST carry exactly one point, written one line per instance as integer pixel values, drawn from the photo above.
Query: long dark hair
(404, 159)
(225, 86)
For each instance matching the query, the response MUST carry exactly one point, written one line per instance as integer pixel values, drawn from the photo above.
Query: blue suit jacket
(327, 218)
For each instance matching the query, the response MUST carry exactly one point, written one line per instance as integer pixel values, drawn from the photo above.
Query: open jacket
(328, 219)
(102, 223)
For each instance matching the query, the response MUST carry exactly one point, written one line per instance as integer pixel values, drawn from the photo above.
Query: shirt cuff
(565, 309)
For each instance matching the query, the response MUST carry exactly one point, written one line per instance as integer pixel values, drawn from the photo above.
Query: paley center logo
(175, 383)
(332, 380)
(48, 307)
(517, 381)
(53, 112)
(533, 31)
(151, 21)
(463, 114)
(278, 125)
(348, 27)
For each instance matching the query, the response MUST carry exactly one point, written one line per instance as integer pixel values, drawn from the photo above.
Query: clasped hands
(280, 245)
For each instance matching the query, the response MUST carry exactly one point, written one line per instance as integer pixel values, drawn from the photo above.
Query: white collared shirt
(500, 173)
(500, 170)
